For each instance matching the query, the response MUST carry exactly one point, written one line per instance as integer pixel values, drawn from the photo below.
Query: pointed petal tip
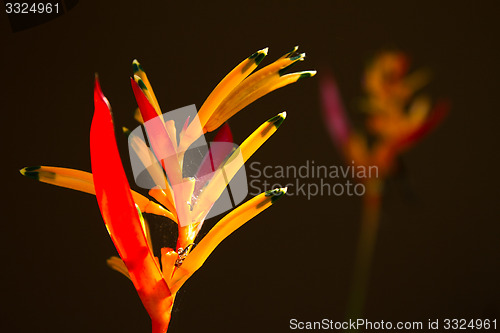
(140, 82)
(278, 119)
(292, 60)
(288, 54)
(276, 193)
(259, 52)
(30, 172)
(224, 134)
(98, 94)
(306, 74)
(298, 57)
(259, 55)
(136, 66)
(97, 84)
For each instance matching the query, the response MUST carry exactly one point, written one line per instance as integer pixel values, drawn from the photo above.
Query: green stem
(366, 246)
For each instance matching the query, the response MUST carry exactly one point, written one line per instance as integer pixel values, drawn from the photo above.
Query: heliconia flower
(396, 118)
(122, 218)
(184, 200)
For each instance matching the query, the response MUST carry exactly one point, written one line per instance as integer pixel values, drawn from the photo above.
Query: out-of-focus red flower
(397, 117)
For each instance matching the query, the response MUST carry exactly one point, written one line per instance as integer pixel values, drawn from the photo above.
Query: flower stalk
(370, 220)
(396, 118)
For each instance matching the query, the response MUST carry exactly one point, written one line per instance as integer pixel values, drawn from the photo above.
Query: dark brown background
(437, 255)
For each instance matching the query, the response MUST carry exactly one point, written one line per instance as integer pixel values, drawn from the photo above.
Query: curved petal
(220, 231)
(226, 86)
(121, 217)
(257, 85)
(221, 91)
(82, 181)
(147, 88)
(231, 166)
(118, 265)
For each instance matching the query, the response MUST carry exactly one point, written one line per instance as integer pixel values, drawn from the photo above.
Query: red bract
(215, 156)
(436, 116)
(121, 217)
(336, 119)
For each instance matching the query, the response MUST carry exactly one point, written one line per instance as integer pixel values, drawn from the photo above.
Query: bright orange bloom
(184, 200)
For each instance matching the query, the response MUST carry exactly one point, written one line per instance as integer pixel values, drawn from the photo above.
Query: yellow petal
(168, 258)
(145, 228)
(172, 132)
(83, 181)
(238, 74)
(260, 135)
(220, 231)
(418, 112)
(164, 196)
(118, 265)
(69, 178)
(417, 80)
(182, 196)
(231, 108)
(188, 234)
(255, 86)
(221, 91)
(224, 175)
(148, 159)
(357, 150)
(163, 191)
(187, 229)
(138, 116)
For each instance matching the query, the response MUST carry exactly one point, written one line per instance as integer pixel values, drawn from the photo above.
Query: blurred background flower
(397, 116)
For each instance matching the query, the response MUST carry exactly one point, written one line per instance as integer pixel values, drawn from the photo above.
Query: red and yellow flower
(157, 280)
(397, 117)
